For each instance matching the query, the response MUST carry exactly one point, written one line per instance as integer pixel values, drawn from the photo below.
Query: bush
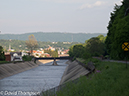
(107, 56)
(94, 60)
(2, 56)
(107, 67)
(4, 62)
(86, 55)
(27, 58)
(74, 59)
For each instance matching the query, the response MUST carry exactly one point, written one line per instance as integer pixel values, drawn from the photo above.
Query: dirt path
(118, 61)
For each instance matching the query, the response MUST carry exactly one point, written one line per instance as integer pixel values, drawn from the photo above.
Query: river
(33, 81)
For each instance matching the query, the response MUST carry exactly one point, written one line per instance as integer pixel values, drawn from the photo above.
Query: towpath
(118, 61)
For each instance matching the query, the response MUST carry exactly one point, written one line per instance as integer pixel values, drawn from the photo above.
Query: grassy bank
(109, 79)
(4, 62)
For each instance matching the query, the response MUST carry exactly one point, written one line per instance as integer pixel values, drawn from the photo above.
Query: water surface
(43, 77)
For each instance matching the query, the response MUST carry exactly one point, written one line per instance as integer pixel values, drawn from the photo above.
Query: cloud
(97, 3)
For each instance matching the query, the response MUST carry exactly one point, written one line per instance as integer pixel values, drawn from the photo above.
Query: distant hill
(53, 36)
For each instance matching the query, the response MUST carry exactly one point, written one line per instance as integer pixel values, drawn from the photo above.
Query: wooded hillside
(52, 36)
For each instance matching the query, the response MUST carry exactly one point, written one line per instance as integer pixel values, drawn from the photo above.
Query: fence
(52, 91)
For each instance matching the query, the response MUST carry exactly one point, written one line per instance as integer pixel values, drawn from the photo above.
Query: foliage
(71, 51)
(4, 62)
(109, 79)
(27, 58)
(31, 43)
(92, 47)
(118, 31)
(20, 45)
(16, 44)
(94, 60)
(52, 53)
(86, 54)
(52, 36)
(76, 50)
(95, 46)
(2, 56)
(102, 38)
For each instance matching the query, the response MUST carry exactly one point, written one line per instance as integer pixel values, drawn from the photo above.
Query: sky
(71, 16)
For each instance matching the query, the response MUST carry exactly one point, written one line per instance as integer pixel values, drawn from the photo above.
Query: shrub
(107, 67)
(27, 58)
(74, 59)
(2, 56)
(86, 55)
(94, 60)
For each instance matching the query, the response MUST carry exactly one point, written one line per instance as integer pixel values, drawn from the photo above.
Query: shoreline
(45, 61)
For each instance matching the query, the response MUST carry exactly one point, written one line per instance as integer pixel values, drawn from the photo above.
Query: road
(33, 81)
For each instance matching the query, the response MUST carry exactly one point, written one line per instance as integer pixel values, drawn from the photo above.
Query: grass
(4, 62)
(109, 79)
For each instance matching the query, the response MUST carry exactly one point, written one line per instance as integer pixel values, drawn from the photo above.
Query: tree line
(118, 30)
(21, 45)
(92, 47)
(52, 36)
(111, 45)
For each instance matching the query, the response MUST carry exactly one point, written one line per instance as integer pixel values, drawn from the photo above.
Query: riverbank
(109, 79)
(73, 71)
(10, 69)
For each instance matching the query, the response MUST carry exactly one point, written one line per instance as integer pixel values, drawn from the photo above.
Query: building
(16, 56)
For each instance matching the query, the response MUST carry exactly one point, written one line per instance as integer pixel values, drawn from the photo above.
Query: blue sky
(74, 16)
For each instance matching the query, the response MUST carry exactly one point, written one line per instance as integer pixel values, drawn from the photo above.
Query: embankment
(10, 69)
(73, 71)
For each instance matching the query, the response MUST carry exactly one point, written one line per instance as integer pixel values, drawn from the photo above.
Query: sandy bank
(45, 61)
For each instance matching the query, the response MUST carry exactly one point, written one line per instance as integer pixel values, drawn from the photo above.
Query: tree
(76, 50)
(52, 53)
(118, 31)
(2, 56)
(92, 47)
(101, 38)
(31, 43)
(71, 51)
(95, 47)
